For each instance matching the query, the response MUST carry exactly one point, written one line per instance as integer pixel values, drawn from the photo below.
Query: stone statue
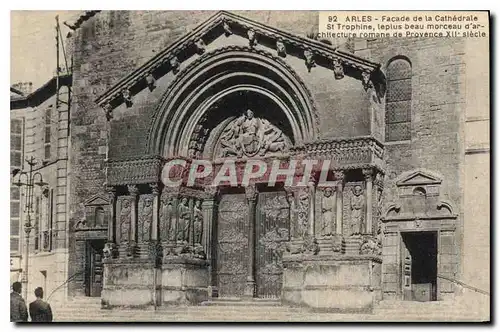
(197, 222)
(146, 219)
(303, 214)
(167, 218)
(124, 221)
(249, 136)
(357, 210)
(184, 220)
(327, 210)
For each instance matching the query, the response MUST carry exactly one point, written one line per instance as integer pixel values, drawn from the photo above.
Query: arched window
(99, 217)
(398, 100)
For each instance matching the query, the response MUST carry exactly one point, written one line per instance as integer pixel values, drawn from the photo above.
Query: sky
(33, 44)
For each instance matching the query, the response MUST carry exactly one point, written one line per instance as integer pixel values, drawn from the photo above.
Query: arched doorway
(239, 104)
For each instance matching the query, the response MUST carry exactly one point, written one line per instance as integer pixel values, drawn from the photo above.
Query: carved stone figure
(248, 135)
(127, 97)
(227, 29)
(200, 46)
(146, 219)
(151, 82)
(183, 221)
(357, 210)
(310, 63)
(124, 221)
(303, 214)
(280, 48)
(327, 210)
(366, 80)
(338, 69)
(370, 246)
(168, 219)
(197, 222)
(252, 38)
(175, 64)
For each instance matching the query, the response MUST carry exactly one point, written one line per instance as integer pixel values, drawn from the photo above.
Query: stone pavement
(88, 310)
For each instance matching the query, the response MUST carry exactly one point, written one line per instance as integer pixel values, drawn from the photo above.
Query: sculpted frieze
(250, 136)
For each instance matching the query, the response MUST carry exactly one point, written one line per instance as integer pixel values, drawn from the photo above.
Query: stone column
(339, 176)
(251, 195)
(112, 216)
(368, 173)
(209, 209)
(133, 191)
(290, 196)
(110, 246)
(154, 225)
(312, 207)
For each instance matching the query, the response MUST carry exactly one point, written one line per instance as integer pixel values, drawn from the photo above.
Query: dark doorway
(419, 266)
(94, 268)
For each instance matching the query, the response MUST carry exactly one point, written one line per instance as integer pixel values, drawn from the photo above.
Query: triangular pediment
(225, 23)
(418, 177)
(97, 199)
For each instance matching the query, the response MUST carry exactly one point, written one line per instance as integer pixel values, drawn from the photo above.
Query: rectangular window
(48, 134)
(47, 151)
(16, 161)
(36, 224)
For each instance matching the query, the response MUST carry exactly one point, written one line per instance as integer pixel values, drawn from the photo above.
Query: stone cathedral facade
(150, 87)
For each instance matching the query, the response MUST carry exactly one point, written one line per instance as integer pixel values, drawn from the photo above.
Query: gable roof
(418, 177)
(97, 199)
(189, 44)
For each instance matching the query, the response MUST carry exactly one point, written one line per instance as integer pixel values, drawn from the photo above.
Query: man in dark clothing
(40, 310)
(18, 311)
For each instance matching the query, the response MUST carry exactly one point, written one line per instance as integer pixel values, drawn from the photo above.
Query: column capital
(251, 192)
(155, 188)
(111, 192)
(339, 175)
(133, 190)
(211, 191)
(368, 173)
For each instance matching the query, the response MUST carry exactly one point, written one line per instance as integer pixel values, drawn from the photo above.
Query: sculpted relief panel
(250, 136)
(145, 217)
(124, 217)
(354, 208)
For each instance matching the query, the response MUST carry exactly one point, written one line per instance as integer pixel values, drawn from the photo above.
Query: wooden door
(232, 245)
(406, 263)
(95, 267)
(272, 231)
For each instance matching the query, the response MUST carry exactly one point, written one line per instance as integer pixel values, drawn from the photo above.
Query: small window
(47, 151)
(47, 134)
(48, 116)
(99, 216)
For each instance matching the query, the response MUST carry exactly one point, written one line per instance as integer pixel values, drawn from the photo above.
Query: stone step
(242, 302)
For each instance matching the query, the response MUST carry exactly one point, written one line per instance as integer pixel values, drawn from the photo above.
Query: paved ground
(88, 310)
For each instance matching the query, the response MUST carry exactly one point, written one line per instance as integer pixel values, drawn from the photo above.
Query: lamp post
(28, 184)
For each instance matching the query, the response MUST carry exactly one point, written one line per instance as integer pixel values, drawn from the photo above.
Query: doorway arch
(206, 82)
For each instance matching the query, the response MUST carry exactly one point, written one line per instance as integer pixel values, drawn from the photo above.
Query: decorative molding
(418, 177)
(145, 169)
(187, 44)
(220, 51)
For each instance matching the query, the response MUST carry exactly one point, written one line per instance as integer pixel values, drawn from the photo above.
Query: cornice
(193, 43)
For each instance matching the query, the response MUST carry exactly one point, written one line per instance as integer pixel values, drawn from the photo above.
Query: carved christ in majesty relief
(249, 136)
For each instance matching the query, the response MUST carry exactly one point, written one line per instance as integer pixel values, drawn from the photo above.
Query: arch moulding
(217, 74)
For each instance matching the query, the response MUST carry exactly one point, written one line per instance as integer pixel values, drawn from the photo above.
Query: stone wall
(437, 108)
(112, 44)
